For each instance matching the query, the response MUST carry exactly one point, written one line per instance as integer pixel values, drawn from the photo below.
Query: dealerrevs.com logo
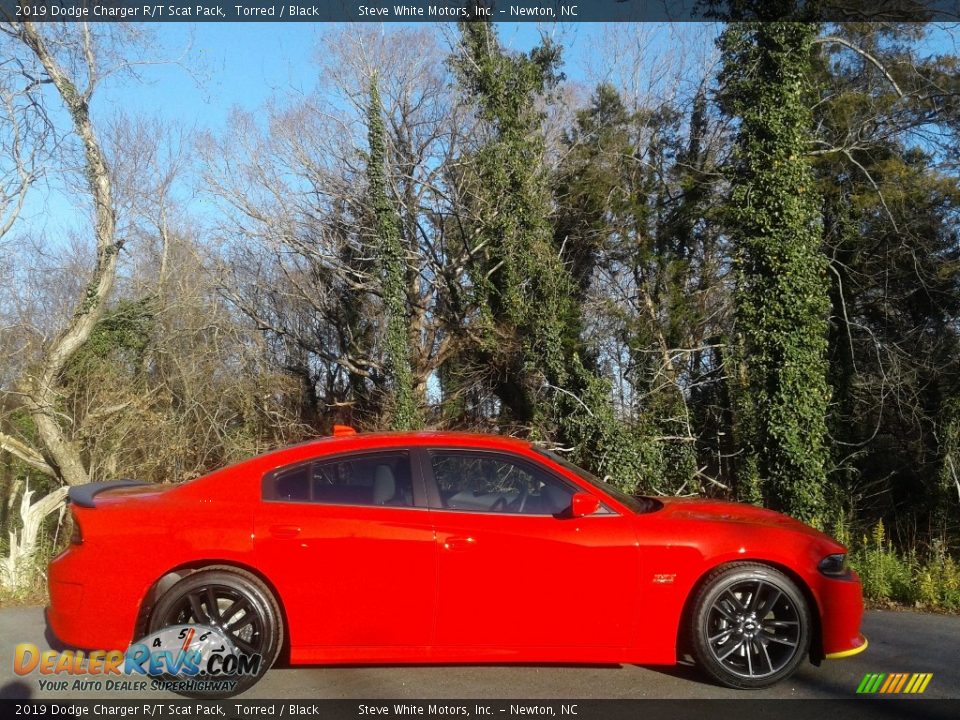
(193, 660)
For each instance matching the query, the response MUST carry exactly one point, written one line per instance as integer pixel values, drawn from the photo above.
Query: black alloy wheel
(232, 601)
(751, 626)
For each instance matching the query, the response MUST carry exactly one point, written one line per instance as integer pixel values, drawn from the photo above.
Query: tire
(750, 626)
(257, 627)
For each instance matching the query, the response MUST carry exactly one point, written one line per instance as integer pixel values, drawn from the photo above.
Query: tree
(405, 413)
(522, 291)
(782, 291)
(58, 454)
(526, 340)
(882, 160)
(302, 258)
(622, 223)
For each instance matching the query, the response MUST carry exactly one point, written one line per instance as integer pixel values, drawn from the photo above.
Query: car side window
(293, 484)
(482, 483)
(381, 479)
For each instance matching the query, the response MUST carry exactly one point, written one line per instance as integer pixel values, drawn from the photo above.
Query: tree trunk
(17, 569)
(41, 390)
(60, 455)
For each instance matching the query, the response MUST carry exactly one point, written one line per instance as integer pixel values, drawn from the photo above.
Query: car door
(349, 545)
(518, 573)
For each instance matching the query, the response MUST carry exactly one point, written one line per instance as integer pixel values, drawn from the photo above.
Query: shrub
(930, 580)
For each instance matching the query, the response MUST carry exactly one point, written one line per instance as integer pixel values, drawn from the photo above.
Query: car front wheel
(750, 626)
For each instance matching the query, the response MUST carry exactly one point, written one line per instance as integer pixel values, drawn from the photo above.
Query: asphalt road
(899, 642)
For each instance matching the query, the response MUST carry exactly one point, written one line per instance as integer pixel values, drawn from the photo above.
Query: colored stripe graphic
(899, 687)
(894, 683)
(870, 683)
(919, 683)
(891, 681)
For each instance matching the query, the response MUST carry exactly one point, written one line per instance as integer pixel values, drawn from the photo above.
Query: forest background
(722, 260)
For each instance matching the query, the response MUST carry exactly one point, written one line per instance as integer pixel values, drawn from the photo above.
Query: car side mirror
(582, 504)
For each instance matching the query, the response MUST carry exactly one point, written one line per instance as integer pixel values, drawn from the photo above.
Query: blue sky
(211, 68)
(222, 66)
(244, 64)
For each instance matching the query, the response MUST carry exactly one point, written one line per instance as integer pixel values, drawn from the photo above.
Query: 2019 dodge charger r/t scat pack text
(451, 548)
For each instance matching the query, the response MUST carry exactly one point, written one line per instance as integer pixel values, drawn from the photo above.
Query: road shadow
(16, 690)
(683, 670)
(285, 665)
(52, 640)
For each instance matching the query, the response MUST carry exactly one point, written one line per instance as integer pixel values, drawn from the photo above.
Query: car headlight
(834, 565)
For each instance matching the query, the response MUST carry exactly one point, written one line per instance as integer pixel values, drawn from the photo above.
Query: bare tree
(67, 59)
(299, 230)
(59, 456)
(23, 130)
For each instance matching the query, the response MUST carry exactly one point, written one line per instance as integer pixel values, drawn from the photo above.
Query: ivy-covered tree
(782, 290)
(405, 411)
(521, 289)
(528, 334)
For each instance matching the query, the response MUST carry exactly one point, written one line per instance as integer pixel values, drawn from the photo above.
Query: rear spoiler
(83, 495)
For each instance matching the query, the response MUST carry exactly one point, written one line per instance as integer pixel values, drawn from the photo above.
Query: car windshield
(635, 503)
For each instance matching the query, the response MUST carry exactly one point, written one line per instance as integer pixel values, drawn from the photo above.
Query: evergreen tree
(890, 207)
(626, 214)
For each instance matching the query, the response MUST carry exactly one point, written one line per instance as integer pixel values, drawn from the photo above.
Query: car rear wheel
(235, 603)
(750, 626)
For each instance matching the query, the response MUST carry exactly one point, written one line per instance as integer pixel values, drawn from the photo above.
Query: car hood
(729, 512)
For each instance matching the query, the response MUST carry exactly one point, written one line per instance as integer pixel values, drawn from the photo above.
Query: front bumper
(841, 612)
(851, 652)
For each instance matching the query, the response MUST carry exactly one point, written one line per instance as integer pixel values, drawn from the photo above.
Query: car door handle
(458, 543)
(284, 531)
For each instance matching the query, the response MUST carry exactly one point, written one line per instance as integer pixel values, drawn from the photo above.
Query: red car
(452, 548)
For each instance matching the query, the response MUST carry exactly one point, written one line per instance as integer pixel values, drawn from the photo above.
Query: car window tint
(292, 484)
(486, 484)
(381, 479)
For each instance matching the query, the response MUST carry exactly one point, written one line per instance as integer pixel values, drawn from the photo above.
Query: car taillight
(76, 537)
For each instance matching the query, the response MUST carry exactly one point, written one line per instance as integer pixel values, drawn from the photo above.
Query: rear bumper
(101, 617)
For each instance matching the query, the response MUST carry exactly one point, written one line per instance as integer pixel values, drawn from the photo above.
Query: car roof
(372, 441)
(415, 437)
